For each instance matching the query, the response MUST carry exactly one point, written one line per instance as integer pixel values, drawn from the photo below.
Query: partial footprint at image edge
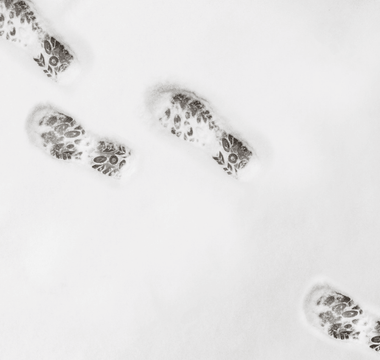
(338, 316)
(63, 138)
(21, 24)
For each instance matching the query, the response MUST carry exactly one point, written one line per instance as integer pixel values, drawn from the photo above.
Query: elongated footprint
(21, 24)
(340, 317)
(63, 138)
(191, 118)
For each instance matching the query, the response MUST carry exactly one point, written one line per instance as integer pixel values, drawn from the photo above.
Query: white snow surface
(182, 262)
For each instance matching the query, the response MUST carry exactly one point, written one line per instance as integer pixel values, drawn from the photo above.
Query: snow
(180, 261)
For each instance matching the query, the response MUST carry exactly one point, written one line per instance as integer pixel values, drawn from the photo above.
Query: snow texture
(182, 261)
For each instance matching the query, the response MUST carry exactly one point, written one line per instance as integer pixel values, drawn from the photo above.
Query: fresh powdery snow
(181, 257)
